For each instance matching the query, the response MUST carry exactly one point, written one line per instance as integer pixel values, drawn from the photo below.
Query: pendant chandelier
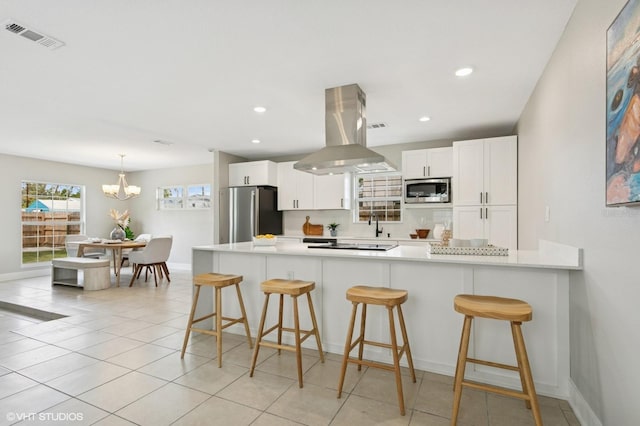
(122, 190)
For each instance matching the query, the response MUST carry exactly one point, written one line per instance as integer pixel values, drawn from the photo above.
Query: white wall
(13, 170)
(189, 227)
(561, 165)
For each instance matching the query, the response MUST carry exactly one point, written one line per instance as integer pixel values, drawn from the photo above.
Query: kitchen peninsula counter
(539, 277)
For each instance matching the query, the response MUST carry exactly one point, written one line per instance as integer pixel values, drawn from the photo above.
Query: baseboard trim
(30, 273)
(581, 407)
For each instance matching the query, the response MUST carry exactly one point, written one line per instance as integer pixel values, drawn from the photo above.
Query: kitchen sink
(354, 246)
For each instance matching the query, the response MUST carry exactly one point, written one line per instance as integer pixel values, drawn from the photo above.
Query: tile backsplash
(413, 218)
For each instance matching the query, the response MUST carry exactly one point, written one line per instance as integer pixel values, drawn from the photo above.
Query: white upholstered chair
(125, 252)
(71, 243)
(155, 256)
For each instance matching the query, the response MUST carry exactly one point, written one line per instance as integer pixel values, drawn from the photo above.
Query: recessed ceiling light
(259, 109)
(463, 72)
(424, 118)
(255, 140)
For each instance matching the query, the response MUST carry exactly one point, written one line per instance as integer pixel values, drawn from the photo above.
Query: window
(379, 195)
(50, 212)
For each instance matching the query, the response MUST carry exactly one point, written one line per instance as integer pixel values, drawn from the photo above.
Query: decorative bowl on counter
(265, 240)
(413, 236)
(422, 233)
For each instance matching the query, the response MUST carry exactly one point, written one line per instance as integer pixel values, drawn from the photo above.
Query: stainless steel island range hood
(345, 125)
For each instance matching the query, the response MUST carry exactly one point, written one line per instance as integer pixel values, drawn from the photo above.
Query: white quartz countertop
(550, 255)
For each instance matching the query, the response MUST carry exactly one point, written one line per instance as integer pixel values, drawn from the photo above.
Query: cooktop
(354, 246)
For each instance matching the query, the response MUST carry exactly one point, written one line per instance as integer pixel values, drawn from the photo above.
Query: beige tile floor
(115, 360)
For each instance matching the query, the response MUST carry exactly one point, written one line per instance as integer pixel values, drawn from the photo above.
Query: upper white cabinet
(332, 192)
(485, 171)
(304, 191)
(253, 173)
(433, 162)
(295, 188)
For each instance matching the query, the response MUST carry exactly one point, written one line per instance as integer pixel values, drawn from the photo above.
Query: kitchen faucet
(378, 231)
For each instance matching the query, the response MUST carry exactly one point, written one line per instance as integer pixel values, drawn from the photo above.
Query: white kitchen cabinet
(485, 190)
(253, 173)
(485, 172)
(498, 224)
(433, 162)
(332, 192)
(295, 188)
(304, 191)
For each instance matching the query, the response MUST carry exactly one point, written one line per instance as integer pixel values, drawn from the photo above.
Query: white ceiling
(190, 72)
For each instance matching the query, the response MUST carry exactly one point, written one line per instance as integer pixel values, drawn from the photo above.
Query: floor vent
(377, 125)
(33, 35)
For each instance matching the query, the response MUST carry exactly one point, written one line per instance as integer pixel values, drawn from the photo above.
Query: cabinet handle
(341, 202)
(486, 197)
(428, 170)
(424, 171)
(486, 213)
(480, 212)
(480, 197)
(294, 204)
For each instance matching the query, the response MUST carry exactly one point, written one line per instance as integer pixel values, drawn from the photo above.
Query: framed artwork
(184, 197)
(170, 197)
(623, 107)
(198, 196)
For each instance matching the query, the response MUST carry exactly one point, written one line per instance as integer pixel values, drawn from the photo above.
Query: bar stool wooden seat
(389, 298)
(217, 281)
(516, 312)
(293, 288)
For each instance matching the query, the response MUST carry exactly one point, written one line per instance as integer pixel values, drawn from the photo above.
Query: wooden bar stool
(516, 312)
(293, 288)
(217, 281)
(390, 299)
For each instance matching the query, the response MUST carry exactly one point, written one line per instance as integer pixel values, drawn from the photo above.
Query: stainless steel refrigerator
(251, 210)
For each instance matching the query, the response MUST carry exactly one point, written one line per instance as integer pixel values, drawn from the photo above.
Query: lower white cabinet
(499, 224)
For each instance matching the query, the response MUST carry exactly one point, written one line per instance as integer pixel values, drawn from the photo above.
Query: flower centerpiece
(122, 224)
(333, 228)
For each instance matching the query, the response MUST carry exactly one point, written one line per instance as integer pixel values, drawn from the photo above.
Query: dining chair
(125, 252)
(72, 242)
(154, 257)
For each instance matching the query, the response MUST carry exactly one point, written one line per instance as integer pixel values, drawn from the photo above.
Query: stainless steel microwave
(428, 190)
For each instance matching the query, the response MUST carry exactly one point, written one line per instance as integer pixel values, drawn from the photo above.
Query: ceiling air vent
(33, 35)
(377, 125)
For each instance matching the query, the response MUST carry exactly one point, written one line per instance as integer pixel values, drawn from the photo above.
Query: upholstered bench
(91, 274)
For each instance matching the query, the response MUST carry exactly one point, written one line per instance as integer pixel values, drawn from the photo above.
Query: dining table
(116, 247)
